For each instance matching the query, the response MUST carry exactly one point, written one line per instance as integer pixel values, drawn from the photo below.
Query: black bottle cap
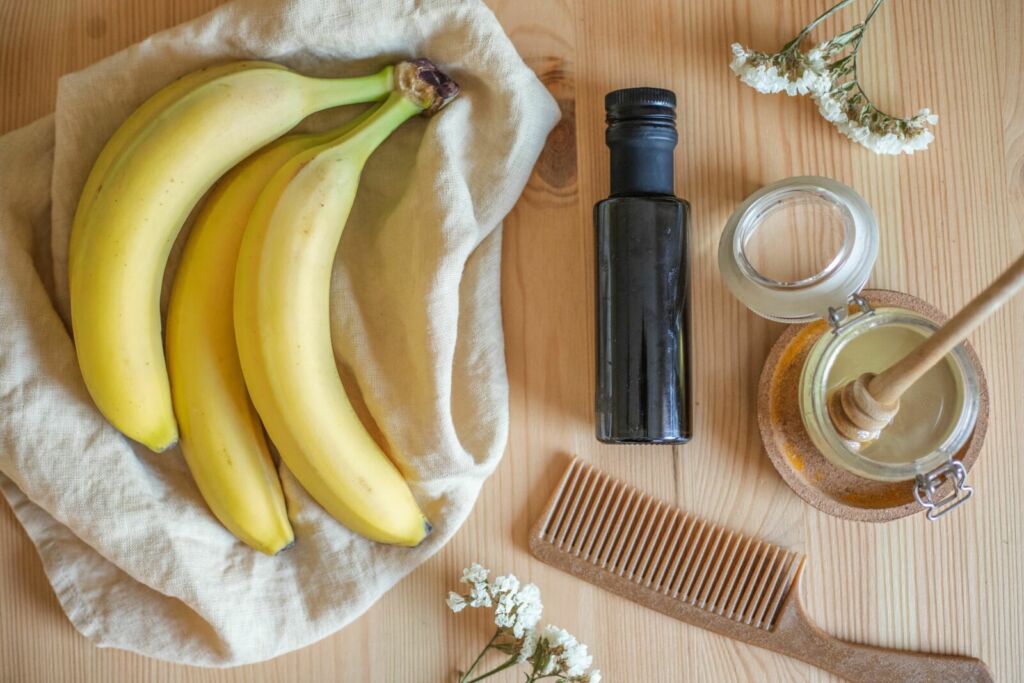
(633, 103)
(641, 135)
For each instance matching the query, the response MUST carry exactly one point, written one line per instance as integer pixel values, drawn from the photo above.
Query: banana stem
(335, 92)
(396, 110)
(420, 87)
(333, 134)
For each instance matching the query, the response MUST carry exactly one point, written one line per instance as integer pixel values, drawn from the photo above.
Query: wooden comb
(621, 539)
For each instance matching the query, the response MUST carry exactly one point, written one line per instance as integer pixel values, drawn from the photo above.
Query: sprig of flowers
(830, 77)
(550, 653)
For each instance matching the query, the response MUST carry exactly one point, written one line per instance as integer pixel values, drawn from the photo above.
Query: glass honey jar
(800, 251)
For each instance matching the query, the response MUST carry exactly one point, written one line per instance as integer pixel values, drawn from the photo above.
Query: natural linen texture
(135, 557)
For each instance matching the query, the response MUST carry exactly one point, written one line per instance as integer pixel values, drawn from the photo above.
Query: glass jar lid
(798, 249)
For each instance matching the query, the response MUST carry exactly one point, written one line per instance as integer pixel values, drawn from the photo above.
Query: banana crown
(426, 85)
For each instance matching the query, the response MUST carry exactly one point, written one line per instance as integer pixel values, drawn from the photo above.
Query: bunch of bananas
(248, 330)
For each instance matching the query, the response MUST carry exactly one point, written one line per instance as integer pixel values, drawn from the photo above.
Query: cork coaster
(810, 474)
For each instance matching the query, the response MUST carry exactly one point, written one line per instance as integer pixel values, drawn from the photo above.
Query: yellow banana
(137, 121)
(221, 435)
(282, 323)
(121, 245)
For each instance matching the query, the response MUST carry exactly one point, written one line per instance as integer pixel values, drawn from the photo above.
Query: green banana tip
(426, 85)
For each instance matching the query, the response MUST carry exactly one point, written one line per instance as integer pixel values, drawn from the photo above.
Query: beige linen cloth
(134, 556)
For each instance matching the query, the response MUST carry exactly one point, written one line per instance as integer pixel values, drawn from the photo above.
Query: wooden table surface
(950, 221)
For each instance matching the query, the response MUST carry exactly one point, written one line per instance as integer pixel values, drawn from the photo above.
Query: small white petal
(529, 647)
(832, 106)
(474, 574)
(740, 57)
(817, 56)
(479, 597)
(576, 659)
(456, 602)
(505, 584)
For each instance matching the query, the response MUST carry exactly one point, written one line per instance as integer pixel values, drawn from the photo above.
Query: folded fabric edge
(40, 528)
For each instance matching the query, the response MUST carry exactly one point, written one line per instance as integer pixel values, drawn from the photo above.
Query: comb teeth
(620, 531)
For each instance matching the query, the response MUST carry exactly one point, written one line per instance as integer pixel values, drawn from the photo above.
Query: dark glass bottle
(643, 302)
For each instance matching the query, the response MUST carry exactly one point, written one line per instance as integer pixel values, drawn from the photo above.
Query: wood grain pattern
(951, 220)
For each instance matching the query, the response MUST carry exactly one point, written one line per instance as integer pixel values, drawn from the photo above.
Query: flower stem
(856, 46)
(814, 24)
(465, 676)
(511, 662)
(874, 8)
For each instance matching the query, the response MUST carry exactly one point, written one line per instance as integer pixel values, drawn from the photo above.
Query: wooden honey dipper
(865, 406)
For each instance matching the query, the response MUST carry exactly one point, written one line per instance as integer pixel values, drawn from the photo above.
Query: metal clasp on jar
(927, 486)
(839, 318)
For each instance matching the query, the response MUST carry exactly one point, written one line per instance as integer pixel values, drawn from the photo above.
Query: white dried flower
(873, 129)
(925, 116)
(756, 70)
(569, 656)
(504, 591)
(577, 660)
(456, 602)
(504, 616)
(831, 79)
(528, 610)
(556, 637)
(505, 584)
(741, 57)
(832, 105)
(479, 597)
(918, 142)
(528, 646)
(813, 82)
(817, 55)
(474, 574)
(790, 72)
(517, 610)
